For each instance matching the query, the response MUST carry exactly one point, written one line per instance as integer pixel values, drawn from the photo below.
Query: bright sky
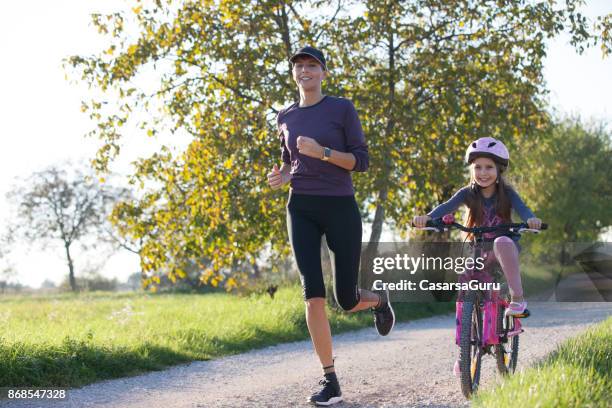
(41, 123)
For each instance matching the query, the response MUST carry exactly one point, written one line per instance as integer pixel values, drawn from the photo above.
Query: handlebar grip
(431, 223)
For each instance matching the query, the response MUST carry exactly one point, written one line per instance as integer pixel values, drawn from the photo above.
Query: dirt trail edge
(412, 367)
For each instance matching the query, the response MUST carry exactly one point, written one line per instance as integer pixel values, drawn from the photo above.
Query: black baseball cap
(311, 52)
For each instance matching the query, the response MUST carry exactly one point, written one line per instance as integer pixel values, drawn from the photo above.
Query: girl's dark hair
(475, 201)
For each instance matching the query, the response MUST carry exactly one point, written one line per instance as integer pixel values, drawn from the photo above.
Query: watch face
(327, 152)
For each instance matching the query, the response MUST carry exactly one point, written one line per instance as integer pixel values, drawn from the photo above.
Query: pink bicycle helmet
(488, 147)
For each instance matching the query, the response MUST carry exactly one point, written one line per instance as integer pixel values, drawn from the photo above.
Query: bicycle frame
(492, 334)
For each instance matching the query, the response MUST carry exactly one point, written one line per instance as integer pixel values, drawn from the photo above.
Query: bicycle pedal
(524, 315)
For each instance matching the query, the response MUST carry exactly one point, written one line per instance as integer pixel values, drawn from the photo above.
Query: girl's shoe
(457, 369)
(516, 309)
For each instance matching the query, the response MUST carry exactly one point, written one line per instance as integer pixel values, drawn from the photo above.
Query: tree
(425, 76)
(6, 274)
(57, 206)
(432, 77)
(564, 178)
(7, 270)
(134, 281)
(48, 284)
(130, 230)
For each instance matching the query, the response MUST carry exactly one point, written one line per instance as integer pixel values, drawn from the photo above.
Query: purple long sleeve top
(459, 198)
(333, 123)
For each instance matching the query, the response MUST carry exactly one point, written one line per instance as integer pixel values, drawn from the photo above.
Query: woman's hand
(276, 178)
(534, 223)
(309, 147)
(420, 221)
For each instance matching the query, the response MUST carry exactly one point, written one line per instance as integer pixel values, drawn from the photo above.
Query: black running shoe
(384, 317)
(330, 394)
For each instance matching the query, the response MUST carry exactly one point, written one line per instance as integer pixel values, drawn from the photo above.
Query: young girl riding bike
(490, 200)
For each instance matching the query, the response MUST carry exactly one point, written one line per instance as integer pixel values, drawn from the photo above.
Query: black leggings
(308, 218)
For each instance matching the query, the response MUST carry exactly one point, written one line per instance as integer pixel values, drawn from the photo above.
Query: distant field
(72, 340)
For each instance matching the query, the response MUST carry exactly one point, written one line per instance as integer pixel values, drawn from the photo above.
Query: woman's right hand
(420, 221)
(275, 178)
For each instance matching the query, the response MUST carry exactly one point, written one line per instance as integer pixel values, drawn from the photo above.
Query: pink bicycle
(481, 327)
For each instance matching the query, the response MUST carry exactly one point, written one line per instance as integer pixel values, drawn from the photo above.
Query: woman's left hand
(534, 223)
(309, 147)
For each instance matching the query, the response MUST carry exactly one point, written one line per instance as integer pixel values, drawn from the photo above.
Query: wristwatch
(326, 153)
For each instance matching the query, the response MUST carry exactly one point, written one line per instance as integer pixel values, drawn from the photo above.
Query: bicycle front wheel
(470, 353)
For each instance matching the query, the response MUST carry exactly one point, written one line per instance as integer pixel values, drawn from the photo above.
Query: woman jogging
(490, 200)
(322, 142)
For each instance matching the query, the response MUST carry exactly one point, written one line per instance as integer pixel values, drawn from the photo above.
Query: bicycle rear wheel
(506, 352)
(470, 350)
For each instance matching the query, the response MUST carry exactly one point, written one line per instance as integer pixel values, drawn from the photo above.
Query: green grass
(577, 374)
(72, 340)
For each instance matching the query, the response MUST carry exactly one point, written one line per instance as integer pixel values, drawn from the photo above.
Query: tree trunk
(377, 225)
(73, 285)
(256, 271)
(379, 215)
(570, 236)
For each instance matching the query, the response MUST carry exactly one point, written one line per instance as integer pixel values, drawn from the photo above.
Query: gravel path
(411, 367)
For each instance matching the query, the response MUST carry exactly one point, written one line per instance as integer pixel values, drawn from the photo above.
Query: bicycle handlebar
(439, 225)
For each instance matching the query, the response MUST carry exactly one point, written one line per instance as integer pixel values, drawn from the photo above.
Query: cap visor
(301, 54)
